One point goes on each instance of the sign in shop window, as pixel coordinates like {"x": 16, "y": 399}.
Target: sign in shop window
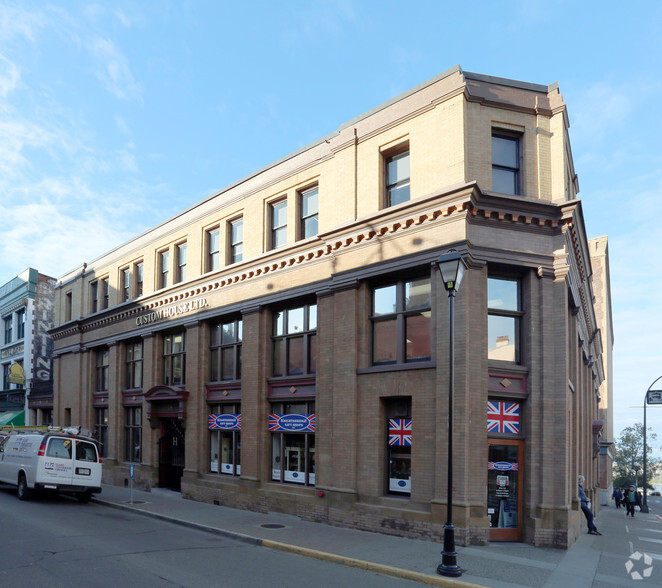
{"x": 399, "y": 441}
{"x": 503, "y": 417}
{"x": 225, "y": 443}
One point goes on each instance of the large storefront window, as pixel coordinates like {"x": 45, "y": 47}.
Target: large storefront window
{"x": 225, "y": 350}
{"x": 133, "y": 434}
{"x": 401, "y": 322}
{"x": 504, "y": 502}
{"x": 398, "y": 444}
{"x": 225, "y": 439}
{"x": 174, "y": 359}
{"x": 295, "y": 341}
{"x": 101, "y": 430}
{"x": 293, "y": 442}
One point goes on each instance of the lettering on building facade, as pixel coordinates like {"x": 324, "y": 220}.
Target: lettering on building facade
{"x": 177, "y": 309}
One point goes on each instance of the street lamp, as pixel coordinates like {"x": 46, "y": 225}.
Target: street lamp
{"x": 655, "y": 398}
{"x": 452, "y": 267}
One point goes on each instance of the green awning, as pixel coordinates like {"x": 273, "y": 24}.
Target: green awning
{"x": 16, "y": 418}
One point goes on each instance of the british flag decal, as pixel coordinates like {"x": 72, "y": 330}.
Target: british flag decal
{"x": 502, "y": 416}
{"x": 399, "y": 432}
{"x": 227, "y": 422}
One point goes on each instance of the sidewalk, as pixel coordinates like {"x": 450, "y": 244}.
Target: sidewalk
{"x": 498, "y": 565}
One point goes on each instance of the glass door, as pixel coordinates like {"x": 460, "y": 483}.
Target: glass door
{"x": 504, "y": 483}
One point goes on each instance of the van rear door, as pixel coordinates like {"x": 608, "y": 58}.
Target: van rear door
{"x": 58, "y": 464}
{"x": 87, "y": 469}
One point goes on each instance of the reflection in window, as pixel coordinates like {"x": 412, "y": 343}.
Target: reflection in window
{"x": 295, "y": 341}
{"x": 504, "y": 316}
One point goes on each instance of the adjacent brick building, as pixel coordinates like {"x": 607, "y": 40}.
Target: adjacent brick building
{"x": 283, "y": 344}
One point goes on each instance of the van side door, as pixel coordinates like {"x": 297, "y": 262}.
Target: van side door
{"x": 58, "y": 463}
{"x": 87, "y": 469}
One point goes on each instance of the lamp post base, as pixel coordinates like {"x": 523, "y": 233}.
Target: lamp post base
{"x": 448, "y": 565}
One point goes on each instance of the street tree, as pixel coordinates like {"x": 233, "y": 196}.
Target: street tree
{"x": 629, "y": 458}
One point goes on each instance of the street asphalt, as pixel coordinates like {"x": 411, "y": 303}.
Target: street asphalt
{"x": 629, "y": 551}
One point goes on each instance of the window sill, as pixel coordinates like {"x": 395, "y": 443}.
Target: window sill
{"x": 397, "y": 367}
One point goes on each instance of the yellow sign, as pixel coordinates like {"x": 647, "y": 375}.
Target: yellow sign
{"x": 16, "y": 374}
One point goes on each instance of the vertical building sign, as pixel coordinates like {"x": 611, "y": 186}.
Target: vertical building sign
{"x": 42, "y": 344}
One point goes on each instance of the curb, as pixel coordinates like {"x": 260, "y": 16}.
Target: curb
{"x": 304, "y": 551}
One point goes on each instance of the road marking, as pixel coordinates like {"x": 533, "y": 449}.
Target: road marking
{"x": 650, "y": 540}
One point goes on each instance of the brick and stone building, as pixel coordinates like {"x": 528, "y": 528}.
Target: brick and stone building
{"x": 27, "y": 311}
{"x": 283, "y": 344}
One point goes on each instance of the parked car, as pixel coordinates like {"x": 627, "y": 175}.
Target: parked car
{"x": 656, "y": 493}
{"x": 64, "y": 461}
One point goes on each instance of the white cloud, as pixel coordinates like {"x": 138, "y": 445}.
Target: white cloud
{"x": 114, "y": 70}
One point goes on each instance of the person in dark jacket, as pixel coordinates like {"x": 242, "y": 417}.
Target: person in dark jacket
{"x": 631, "y": 500}
{"x": 617, "y": 495}
{"x": 586, "y": 509}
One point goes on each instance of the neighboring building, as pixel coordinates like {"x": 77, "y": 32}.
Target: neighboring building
{"x": 27, "y": 313}
{"x": 283, "y": 344}
{"x": 604, "y": 426}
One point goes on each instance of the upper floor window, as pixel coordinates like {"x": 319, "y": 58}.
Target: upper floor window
{"x": 401, "y": 326}
{"x": 213, "y": 249}
{"x": 8, "y": 321}
{"x": 20, "y": 324}
{"x": 180, "y": 251}
{"x": 506, "y": 163}
{"x": 94, "y": 297}
{"x": 278, "y": 223}
{"x": 295, "y": 341}
{"x": 102, "y": 361}
{"x": 134, "y": 365}
{"x": 308, "y": 213}
{"x": 138, "y": 271}
{"x": 125, "y": 284}
{"x": 68, "y": 306}
{"x": 397, "y": 178}
{"x": 504, "y": 318}
{"x": 105, "y": 293}
{"x": 164, "y": 268}
{"x": 236, "y": 234}
{"x": 174, "y": 359}
{"x": 225, "y": 350}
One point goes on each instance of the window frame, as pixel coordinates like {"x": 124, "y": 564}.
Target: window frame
{"x": 390, "y": 156}
{"x": 309, "y": 449}
{"x": 235, "y": 245}
{"x": 216, "y": 437}
{"x": 101, "y": 369}
{"x": 180, "y": 262}
{"x": 217, "y": 347}
{"x": 400, "y": 315}
{"x": 101, "y": 429}
{"x": 275, "y": 231}
{"x": 94, "y": 296}
{"x": 133, "y": 434}
{"x": 138, "y": 270}
{"x": 170, "y": 359}
{"x": 21, "y": 318}
{"x": 133, "y": 367}
{"x": 302, "y": 195}
{"x": 8, "y": 322}
{"x": 213, "y": 255}
{"x": 517, "y": 317}
{"x": 282, "y": 342}
{"x": 163, "y": 257}
{"x": 125, "y": 283}
{"x": 515, "y": 172}
{"x": 105, "y": 293}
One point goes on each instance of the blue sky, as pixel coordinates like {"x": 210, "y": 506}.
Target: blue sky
{"x": 116, "y": 115}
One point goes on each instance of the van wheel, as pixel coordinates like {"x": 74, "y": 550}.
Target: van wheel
{"x": 23, "y": 491}
{"x": 85, "y": 497}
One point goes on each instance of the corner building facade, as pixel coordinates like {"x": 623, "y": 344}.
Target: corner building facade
{"x": 283, "y": 345}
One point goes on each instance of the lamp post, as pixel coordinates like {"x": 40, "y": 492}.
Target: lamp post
{"x": 655, "y": 398}
{"x": 452, "y": 268}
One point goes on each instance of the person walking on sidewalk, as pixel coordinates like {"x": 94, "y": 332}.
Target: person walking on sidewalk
{"x": 586, "y": 507}
{"x": 631, "y": 499}
{"x": 617, "y": 495}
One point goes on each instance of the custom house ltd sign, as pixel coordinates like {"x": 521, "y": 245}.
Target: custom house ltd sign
{"x": 171, "y": 311}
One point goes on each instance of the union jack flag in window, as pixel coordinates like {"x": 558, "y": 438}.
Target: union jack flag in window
{"x": 399, "y": 432}
{"x": 502, "y": 416}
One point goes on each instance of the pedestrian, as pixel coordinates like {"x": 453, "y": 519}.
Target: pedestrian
{"x": 617, "y": 495}
{"x": 586, "y": 507}
{"x": 631, "y": 500}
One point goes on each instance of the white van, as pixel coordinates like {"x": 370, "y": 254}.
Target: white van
{"x": 64, "y": 461}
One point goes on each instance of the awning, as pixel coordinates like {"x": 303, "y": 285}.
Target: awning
{"x": 15, "y": 417}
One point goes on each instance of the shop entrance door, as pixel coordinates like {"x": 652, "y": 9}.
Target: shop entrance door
{"x": 504, "y": 489}
{"x": 171, "y": 455}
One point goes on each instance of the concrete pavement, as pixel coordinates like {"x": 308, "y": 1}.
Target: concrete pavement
{"x": 596, "y": 561}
